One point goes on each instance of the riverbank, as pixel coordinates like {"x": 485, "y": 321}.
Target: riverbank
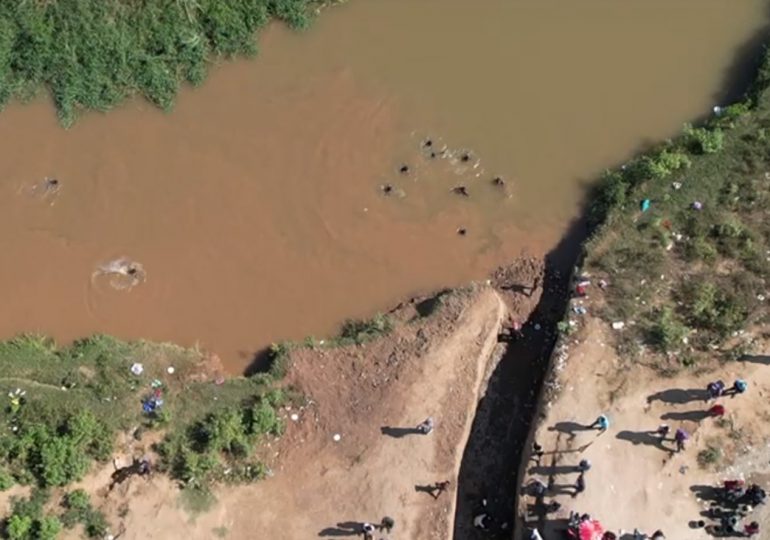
{"x": 671, "y": 293}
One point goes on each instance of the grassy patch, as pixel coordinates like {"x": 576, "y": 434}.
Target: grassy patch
{"x": 709, "y": 456}
{"x": 92, "y": 54}
{"x": 682, "y": 235}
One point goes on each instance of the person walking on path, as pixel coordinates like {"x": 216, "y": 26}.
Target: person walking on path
{"x": 580, "y": 484}
{"x": 680, "y": 437}
{"x": 438, "y": 488}
{"x": 426, "y": 426}
{"x": 602, "y": 423}
{"x": 738, "y": 387}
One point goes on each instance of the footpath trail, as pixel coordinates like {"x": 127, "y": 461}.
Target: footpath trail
{"x": 435, "y": 364}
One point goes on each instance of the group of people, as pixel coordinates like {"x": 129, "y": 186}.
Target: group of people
{"x": 737, "y": 500}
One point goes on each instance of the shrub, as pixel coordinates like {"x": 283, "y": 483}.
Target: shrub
{"x": 361, "y": 331}
{"x": 6, "y": 480}
{"x": 709, "y": 456}
{"x": 714, "y": 308}
{"x": 702, "y": 140}
{"x": 667, "y": 332}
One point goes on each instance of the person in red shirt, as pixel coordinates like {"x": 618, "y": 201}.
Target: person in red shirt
{"x": 751, "y": 529}
{"x": 717, "y": 410}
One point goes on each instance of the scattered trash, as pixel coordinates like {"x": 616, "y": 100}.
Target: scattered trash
{"x": 580, "y": 310}
{"x": 645, "y": 205}
{"x": 123, "y": 273}
{"x": 219, "y": 381}
{"x": 170, "y": 370}
{"x": 618, "y": 325}
{"x": 537, "y": 326}
{"x": 294, "y": 417}
{"x": 697, "y": 205}
{"x": 717, "y": 110}
{"x": 337, "y": 437}
{"x": 156, "y": 383}
{"x": 137, "y": 368}
{"x": 603, "y": 284}
{"x": 676, "y": 185}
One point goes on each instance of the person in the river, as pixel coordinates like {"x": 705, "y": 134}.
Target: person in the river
{"x": 461, "y": 190}
{"x": 404, "y": 169}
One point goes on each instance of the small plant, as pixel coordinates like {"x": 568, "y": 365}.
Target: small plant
{"x": 702, "y": 140}
{"x": 361, "y": 331}
{"x": 667, "y": 332}
{"x": 709, "y": 456}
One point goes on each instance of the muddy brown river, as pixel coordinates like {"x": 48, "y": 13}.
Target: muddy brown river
{"x": 256, "y": 211}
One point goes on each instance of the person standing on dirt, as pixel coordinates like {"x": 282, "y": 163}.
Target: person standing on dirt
{"x": 717, "y": 411}
{"x": 426, "y": 426}
{"x": 680, "y": 437}
{"x": 580, "y": 484}
{"x": 386, "y": 524}
{"x": 715, "y": 389}
{"x": 439, "y": 488}
{"x": 368, "y": 530}
{"x": 738, "y": 387}
{"x": 602, "y": 423}
{"x": 751, "y": 529}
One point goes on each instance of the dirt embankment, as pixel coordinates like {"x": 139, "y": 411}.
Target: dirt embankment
{"x": 350, "y": 454}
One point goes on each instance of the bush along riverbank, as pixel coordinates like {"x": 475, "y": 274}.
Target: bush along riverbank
{"x": 67, "y": 409}
{"x": 92, "y": 54}
{"x": 682, "y": 240}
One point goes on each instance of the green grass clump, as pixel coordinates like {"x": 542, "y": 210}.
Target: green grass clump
{"x": 361, "y": 331}
{"x": 28, "y": 520}
{"x": 92, "y": 54}
{"x": 78, "y": 510}
{"x": 695, "y": 264}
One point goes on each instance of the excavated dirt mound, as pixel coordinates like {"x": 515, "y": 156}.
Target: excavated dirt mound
{"x": 350, "y": 454}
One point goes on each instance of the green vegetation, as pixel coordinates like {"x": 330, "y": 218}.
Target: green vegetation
{"x": 65, "y": 406}
{"x": 682, "y": 236}
{"x": 28, "y": 520}
{"x": 78, "y": 510}
{"x": 92, "y": 54}
{"x": 709, "y": 456}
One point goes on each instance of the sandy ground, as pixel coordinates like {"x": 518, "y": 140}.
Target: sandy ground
{"x": 635, "y": 480}
{"x": 435, "y": 363}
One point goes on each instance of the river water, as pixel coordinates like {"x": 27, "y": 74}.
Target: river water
{"x": 257, "y": 210}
